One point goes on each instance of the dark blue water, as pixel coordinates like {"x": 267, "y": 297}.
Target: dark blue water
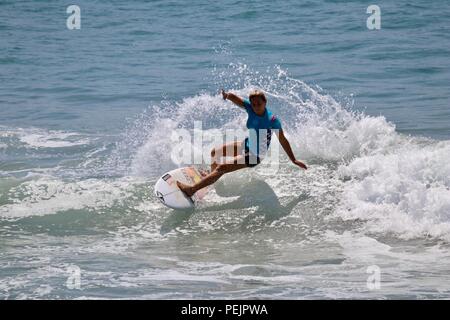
{"x": 127, "y": 56}
{"x": 85, "y": 122}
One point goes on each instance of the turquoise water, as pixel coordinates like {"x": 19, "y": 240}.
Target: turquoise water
{"x": 85, "y": 123}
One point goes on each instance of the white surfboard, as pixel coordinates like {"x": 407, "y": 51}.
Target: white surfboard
{"x": 167, "y": 191}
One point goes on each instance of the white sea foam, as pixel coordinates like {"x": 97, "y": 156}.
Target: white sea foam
{"x": 52, "y": 139}
{"x": 406, "y": 192}
{"x": 49, "y": 195}
{"x": 42, "y": 138}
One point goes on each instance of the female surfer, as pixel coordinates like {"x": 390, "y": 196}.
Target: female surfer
{"x": 247, "y": 153}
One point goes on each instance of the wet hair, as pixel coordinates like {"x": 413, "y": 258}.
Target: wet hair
{"x": 257, "y": 93}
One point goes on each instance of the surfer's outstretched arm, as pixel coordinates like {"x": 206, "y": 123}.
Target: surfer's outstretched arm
{"x": 233, "y": 98}
{"x": 287, "y": 148}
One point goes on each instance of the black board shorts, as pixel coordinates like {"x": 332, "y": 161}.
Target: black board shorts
{"x": 251, "y": 160}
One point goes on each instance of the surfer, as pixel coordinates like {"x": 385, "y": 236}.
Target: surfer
{"x": 247, "y": 153}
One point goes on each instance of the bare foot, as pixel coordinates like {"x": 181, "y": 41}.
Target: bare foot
{"x": 187, "y": 190}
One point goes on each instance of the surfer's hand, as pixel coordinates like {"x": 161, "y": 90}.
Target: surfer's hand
{"x": 224, "y": 95}
{"x": 300, "y": 164}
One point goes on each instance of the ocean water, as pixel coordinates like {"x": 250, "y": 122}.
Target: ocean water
{"x": 85, "y": 123}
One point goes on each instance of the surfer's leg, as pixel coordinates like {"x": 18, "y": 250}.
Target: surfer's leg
{"x": 231, "y": 149}
{"x": 236, "y": 163}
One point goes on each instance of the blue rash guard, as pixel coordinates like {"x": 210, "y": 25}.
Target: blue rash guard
{"x": 260, "y": 129}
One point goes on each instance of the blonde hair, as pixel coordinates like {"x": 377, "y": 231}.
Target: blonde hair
{"x": 257, "y": 93}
